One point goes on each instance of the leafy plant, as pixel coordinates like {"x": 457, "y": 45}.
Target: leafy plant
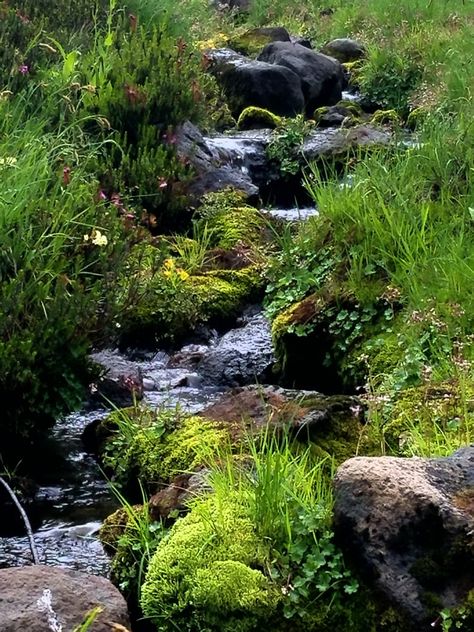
{"x": 286, "y": 143}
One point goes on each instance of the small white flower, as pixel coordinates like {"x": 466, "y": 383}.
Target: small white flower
{"x": 99, "y": 239}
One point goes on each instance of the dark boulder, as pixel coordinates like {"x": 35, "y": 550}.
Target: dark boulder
{"x": 344, "y": 49}
{"x": 41, "y": 598}
{"x": 322, "y": 78}
{"x": 254, "y": 83}
{"x": 408, "y": 524}
{"x": 213, "y": 172}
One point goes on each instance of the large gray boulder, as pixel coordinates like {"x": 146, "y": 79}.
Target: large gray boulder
{"x": 322, "y": 78}
{"x": 43, "y": 598}
{"x": 254, "y": 83}
{"x": 408, "y": 524}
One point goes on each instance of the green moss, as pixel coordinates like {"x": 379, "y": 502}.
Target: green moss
{"x": 319, "y": 113}
{"x": 351, "y": 106}
{"x": 258, "y": 118}
{"x": 385, "y": 117}
{"x": 201, "y": 575}
{"x": 155, "y": 458}
{"x": 112, "y": 529}
{"x": 220, "y": 294}
{"x": 417, "y": 117}
{"x": 234, "y": 226}
{"x": 171, "y": 303}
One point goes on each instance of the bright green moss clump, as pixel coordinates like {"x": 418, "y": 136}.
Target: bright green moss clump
{"x": 385, "y": 117}
{"x": 203, "y": 576}
{"x": 158, "y": 458}
{"x": 258, "y": 118}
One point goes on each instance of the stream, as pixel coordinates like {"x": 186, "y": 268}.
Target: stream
{"x": 73, "y": 498}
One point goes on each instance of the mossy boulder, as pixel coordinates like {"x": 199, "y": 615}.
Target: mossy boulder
{"x": 205, "y": 573}
{"x": 258, "y": 118}
{"x": 417, "y": 117}
{"x": 385, "y": 117}
{"x": 252, "y": 41}
{"x": 331, "y": 425}
{"x": 230, "y": 222}
{"x": 158, "y": 450}
{"x": 173, "y": 303}
{"x": 344, "y": 49}
{"x": 337, "y": 115}
{"x": 314, "y": 335}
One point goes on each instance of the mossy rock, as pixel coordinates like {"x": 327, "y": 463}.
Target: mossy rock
{"x": 386, "y": 117}
{"x": 417, "y": 117}
{"x": 171, "y": 303}
{"x": 231, "y": 223}
{"x": 339, "y": 114}
{"x": 319, "y": 113}
{"x": 204, "y": 574}
{"x": 313, "y": 336}
{"x": 221, "y": 294}
{"x": 154, "y": 454}
{"x": 252, "y": 41}
{"x": 258, "y": 118}
{"x": 112, "y": 530}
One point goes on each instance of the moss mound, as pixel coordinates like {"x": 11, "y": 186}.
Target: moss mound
{"x": 202, "y": 575}
{"x": 258, "y": 118}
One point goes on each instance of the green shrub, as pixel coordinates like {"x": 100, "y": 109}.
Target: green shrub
{"x": 141, "y": 86}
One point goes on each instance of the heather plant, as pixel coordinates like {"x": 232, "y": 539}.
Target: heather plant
{"x": 141, "y": 84}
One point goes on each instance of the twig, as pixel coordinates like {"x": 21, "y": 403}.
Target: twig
{"x": 26, "y": 522}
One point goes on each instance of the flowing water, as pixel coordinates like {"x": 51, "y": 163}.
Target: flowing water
{"x": 72, "y": 497}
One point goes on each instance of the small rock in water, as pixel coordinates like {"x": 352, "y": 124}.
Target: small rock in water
{"x": 241, "y": 356}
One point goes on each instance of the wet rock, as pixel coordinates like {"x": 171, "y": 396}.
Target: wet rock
{"x": 255, "y": 83}
{"x": 34, "y": 598}
{"x": 335, "y": 141}
{"x": 322, "y": 78}
{"x": 120, "y": 381}
{"x": 241, "y": 356}
{"x": 409, "y": 525}
{"x": 213, "y": 172}
{"x": 344, "y": 49}
{"x": 173, "y": 498}
{"x": 333, "y": 423}
{"x": 246, "y": 150}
